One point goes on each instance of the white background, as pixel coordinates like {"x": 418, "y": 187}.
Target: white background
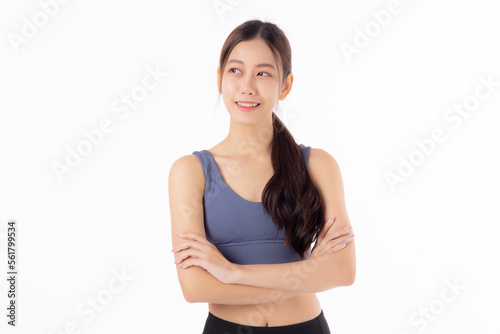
{"x": 111, "y": 212}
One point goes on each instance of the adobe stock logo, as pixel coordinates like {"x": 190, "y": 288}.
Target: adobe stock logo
{"x": 31, "y": 28}
{"x": 223, "y": 6}
{"x": 429, "y": 312}
{"x": 426, "y": 147}
{"x": 363, "y": 37}
{"x": 97, "y": 303}
{"x": 95, "y": 136}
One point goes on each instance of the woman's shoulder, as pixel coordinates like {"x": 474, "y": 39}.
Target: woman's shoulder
{"x": 319, "y": 153}
{"x": 188, "y": 168}
{"x": 186, "y": 161}
{"x": 321, "y": 161}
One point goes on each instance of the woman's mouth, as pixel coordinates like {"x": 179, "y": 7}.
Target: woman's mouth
{"x": 247, "y": 106}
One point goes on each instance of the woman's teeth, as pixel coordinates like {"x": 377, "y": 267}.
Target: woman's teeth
{"x": 248, "y": 105}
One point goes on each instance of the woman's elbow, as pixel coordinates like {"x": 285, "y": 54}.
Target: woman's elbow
{"x": 349, "y": 273}
{"x": 189, "y": 290}
{"x": 192, "y": 296}
{"x": 350, "y": 278}
{"x": 187, "y": 293}
{"x": 189, "y": 296}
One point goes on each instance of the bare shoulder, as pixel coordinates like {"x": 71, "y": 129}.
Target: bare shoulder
{"x": 188, "y": 160}
{"x": 324, "y": 172}
{"x": 321, "y": 163}
{"x": 187, "y": 168}
{"x": 186, "y": 180}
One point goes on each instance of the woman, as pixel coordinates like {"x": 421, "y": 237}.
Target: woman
{"x": 246, "y": 212}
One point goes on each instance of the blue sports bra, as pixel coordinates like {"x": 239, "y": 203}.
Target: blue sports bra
{"x": 241, "y": 230}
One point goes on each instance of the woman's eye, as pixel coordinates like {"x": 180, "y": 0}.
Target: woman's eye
{"x": 235, "y": 69}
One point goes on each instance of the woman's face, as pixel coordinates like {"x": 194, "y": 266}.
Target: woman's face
{"x": 251, "y": 74}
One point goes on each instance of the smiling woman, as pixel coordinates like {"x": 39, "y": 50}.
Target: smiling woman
{"x": 246, "y": 212}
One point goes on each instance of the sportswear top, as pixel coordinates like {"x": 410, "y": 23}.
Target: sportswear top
{"x": 241, "y": 230}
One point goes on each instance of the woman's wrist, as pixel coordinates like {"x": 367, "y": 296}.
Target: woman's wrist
{"x": 238, "y": 274}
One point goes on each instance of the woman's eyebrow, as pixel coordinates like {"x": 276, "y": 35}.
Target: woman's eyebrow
{"x": 259, "y": 65}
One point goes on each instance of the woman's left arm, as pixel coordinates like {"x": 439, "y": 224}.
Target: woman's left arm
{"x": 318, "y": 273}
{"x": 324, "y": 270}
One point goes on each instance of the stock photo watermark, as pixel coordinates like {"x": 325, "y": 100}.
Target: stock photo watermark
{"x": 427, "y": 314}
{"x": 265, "y": 309}
{"x": 454, "y": 116}
{"x": 31, "y": 27}
{"x": 223, "y": 6}
{"x": 371, "y": 29}
{"x": 97, "y": 303}
{"x": 121, "y": 106}
{"x": 12, "y": 275}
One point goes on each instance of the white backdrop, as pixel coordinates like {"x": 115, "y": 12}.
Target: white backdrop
{"x": 405, "y": 95}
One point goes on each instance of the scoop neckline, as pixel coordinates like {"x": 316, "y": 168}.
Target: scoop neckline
{"x": 224, "y": 182}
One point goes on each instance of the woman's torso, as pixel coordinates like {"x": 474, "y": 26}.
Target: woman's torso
{"x": 290, "y": 311}
{"x": 247, "y": 178}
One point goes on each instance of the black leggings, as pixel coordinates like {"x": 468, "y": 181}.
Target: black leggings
{"x": 215, "y": 325}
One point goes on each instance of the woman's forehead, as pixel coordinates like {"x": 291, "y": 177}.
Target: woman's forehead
{"x": 251, "y": 53}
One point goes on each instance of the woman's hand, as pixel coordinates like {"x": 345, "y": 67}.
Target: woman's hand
{"x": 331, "y": 239}
{"x": 198, "y": 251}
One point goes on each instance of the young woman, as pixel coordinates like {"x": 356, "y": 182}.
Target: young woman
{"x": 246, "y": 212}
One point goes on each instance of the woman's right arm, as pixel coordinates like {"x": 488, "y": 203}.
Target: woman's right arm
{"x": 186, "y": 186}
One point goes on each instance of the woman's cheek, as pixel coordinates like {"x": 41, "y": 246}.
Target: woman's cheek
{"x": 269, "y": 89}
{"x": 229, "y": 85}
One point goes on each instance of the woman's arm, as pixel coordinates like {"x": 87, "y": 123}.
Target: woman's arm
{"x": 186, "y": 186}
{"x": 201, "y": 287}
{"x": 311, "y": 275}
{"x": 314, "y": 274}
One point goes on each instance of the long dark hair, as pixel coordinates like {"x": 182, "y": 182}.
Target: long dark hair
{"x": 290, "y": 198}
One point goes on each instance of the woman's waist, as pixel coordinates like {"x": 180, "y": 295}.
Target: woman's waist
{"x": 292, "y": 310}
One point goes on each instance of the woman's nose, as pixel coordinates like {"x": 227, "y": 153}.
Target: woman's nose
{"x": 248, "y": 85}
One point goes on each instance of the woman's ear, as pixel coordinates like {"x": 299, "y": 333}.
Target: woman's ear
{"x": 218, "y": 80}
{"x": 287, "y": 87}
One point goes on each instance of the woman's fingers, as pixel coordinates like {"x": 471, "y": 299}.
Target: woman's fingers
{"x": 190, "y": 252}
{"x": 338, "y": 244}
{"x": 337, "y": 231}
{"x": 189, "y": 244}
{"x": 329, "y": 223}
{"x": 194, "y": 236}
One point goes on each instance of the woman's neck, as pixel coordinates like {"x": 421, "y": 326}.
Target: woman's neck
{"x": 248, "y": 141}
